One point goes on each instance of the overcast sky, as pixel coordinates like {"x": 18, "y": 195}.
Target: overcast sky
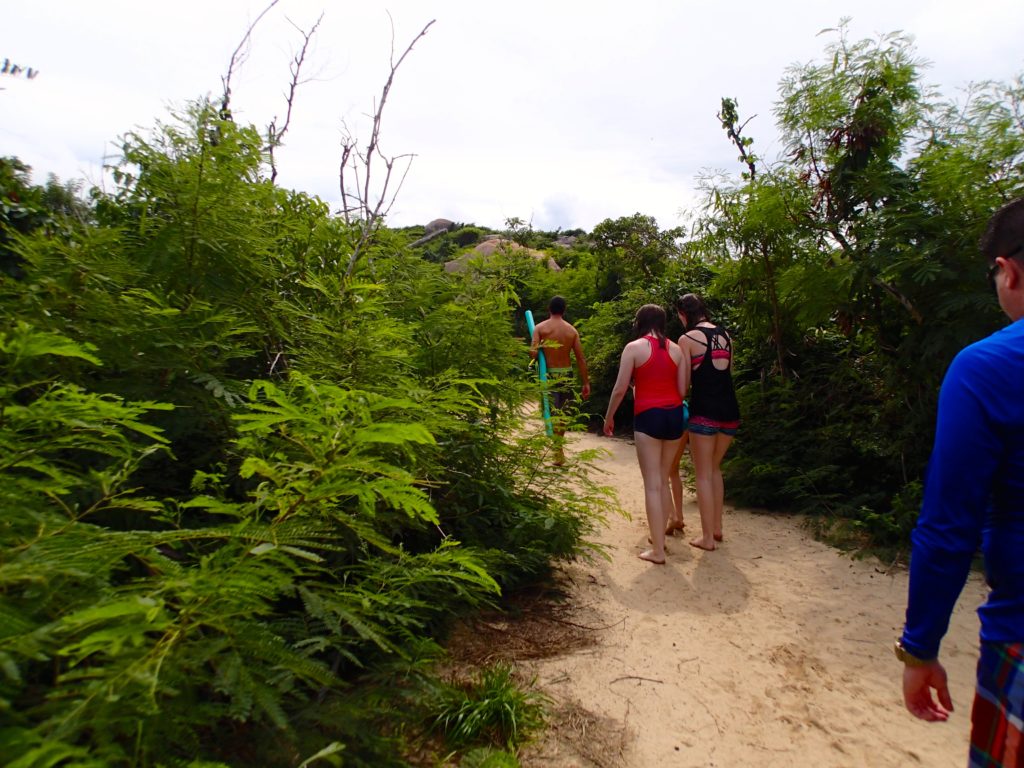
{"x": 559, "y": 112}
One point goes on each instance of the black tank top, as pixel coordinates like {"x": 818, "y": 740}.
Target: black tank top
{"x": 712, "y": 395}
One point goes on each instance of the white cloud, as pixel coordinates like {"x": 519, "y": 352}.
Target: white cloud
{"x": 560, "y": 112}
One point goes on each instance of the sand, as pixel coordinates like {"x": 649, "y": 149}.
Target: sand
{"x": 775, "y": 650}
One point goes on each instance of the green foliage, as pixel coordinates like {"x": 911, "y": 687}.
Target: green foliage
{"x": 488, "y": 757}
{"x": 245, "y": 495}
{"x": 631, "y": 252}
{"x": 465, "y": 237}
{"x": 520, "y": 232}
{"x": 25, "y": 208}
{"x": 895, "y": 527}
{"x": 491, "y": 709}
{"x": 853, "y": 277}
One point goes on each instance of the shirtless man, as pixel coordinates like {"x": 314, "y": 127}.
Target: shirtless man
{"x": 557, "y": 338}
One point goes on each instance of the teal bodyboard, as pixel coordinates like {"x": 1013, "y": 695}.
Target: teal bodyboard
{"x": 542, "y": 373}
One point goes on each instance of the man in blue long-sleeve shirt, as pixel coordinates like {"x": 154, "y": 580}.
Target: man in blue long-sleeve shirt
{"x": 974, "y": 496}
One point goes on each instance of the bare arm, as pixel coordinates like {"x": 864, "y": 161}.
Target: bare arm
{"x": 581, "y": 363}
{"x": 683, "y": 371}
{"x": 534, "y": 343}
{"x": 619, "y": 390}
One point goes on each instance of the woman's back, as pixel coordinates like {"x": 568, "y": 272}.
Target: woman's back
{"x": 712, "y": 394}
{"x": 655, "y": 378}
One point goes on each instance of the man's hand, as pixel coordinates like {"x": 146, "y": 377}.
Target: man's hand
{"x": 609, "y": 426}
{"x": 918, "y": 683}
{"x": 585, "y": 392}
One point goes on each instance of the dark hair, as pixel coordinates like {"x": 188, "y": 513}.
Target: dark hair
{"x": 692, "y": 308}
{"x": 1004, "y": 235}
{"x": 650, "y": 318}
{"x": 557, "y": 305}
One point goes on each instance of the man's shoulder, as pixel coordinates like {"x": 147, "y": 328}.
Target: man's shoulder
{"x": 1008, "y": 339}
{"x": 558, "y": 325}
{"x": 1001, "y": 351}
{"x": 970, "y": 357}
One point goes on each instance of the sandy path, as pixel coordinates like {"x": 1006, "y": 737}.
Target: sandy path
{"x": 773, "y": 651}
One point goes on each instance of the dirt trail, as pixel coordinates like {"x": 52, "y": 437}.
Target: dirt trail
{"x": 774, "y": 650}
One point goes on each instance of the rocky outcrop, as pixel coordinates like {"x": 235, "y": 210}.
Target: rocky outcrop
{"x": 438, "y": 225}
{"x": 489, "y": 247}
{"x": 436, "y": 228}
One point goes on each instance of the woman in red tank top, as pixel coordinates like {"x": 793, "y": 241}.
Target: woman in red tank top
{"x": 659, "y": 370}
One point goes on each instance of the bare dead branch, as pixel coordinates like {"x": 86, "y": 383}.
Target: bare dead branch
{"x": 905, "y": 302}
{"x": 237, "y": 58}
{"x": 401, "y": 181}
{"x": 346, "y": 154}
{"x": 364, "y": 206}
{"x": 275, "y": 134}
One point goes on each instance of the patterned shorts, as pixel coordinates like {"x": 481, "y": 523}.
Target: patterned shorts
{"x": 997, "y": 717}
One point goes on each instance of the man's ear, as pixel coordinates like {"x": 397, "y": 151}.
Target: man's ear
{"x": 1013, "y": 273}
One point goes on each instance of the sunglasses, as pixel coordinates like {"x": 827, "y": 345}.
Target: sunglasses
{"x": 993, "y": 268}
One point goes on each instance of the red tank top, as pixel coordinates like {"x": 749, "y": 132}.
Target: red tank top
{"x": 655, "y": 380}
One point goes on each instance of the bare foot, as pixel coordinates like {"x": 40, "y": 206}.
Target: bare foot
{"x": 701, "y": 544}
{"x": 674, "y": 525}
{"x": 648, "y": 555}
{"x": 718, "y": 537}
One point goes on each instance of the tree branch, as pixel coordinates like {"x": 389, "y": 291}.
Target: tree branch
{"x": 236, "y": 60}
{"x": 369, "y": 214}
{"x": 275, "y": 135}
{"x": 906, "y": 303}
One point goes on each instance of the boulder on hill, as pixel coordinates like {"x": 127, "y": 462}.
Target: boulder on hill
{"x": 489, "y": 247}
{"x": 436, "y": 228}
{"x": 438, "y": 225}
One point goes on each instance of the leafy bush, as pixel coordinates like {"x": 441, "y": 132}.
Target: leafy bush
{"x": 245, "y": 493}
{"x": 467, "y": 236}
{"x": 852, "y": 273}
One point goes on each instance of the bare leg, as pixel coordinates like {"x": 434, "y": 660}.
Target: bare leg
{"x": 655, "y": 459}
{"x": 666, "y": 504}
{"x": 559, "y": 422}
{"x": 718, "y": 485}
{"x": 702, "y": 449}
{"x": 559, "y": 447}
{"x": 675, "y": 521}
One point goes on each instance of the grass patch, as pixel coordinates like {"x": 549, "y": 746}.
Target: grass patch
{"x": 491, "y": 709}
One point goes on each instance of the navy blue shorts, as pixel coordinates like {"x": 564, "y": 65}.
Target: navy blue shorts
{"x": 661, "y": 423}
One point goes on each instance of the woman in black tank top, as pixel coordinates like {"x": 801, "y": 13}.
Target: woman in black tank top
{"x": 714, "y": 411}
